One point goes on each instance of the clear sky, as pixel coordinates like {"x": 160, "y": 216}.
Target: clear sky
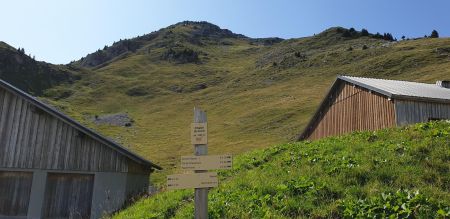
{"x": 59, "y": 31}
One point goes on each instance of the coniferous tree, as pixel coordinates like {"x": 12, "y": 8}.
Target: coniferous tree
{"x": 388, "y": 36}
{"x": 434, "y": 34}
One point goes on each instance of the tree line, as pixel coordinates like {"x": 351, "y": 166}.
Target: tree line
{"x": 351, "y": 32}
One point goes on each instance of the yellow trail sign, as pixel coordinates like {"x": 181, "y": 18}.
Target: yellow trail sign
{"x": 215, "y": 162}
{"x": 192, "y": 180}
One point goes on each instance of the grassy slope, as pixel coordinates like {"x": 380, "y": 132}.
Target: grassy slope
{"x": 393, "y": 172}
{"x": 250, "y": 102}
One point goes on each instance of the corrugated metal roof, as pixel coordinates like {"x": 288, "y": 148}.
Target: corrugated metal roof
{"x": 390, "y": 88}
{"x": 401, "y": 89}
{"x": 78, "y": 126}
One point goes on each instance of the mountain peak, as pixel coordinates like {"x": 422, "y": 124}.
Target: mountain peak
{"x": 205, "y": 29}
{"x": 187, "y": 32}
{"x": 194, "y": 23}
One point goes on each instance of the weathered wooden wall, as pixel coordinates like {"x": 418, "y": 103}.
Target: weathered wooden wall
{"x": 136, "y": 184}
{"x": 68, "y": 196}
{"x": 409, "y": 112}
{"x": 15, "y": 189}
{"x": 352, "y": 108}
{"x": 32, "y": 138}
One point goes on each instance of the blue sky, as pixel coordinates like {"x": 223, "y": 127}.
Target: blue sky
{"x": 59, "y": 31}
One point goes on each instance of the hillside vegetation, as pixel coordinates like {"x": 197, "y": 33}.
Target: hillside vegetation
{"x": 257, "y": 92}
{"x": 391, "y": 173}
{"x": 32, "y": 76}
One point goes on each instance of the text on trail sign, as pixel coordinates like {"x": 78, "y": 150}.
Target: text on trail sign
{"x": 192, "y": 180}
{"x": 214, "y": 162}
{"x": 199, "y": 133}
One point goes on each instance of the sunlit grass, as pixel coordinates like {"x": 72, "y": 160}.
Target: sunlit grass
{"x": 326, "y": 178}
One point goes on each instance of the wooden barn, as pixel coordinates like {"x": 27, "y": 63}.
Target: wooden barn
{"x": 356, "y": 104}
{"x": 53, "y": 167}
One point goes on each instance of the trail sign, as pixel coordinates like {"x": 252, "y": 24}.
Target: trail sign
{"x": 215, "y": 162}
{"x": 192, "y": 180}
{"x": 201, "y": 179}
{"x": 199, "y": 133}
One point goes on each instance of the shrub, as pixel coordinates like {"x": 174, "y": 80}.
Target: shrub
{"x": 181, "y": 55}
{"x": 346, "y": 33}
{"x": 364, "y": 32}
{"x": 137, "y": 91}
{"x": 378, "y": 36}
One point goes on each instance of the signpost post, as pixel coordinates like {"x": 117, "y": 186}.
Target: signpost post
{"x": 201, "y": 194}
{"x": 201, "y": 180}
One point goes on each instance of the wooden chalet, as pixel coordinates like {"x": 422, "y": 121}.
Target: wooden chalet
{"x": 357, "y": 104}
{"x": 53, "y": 167}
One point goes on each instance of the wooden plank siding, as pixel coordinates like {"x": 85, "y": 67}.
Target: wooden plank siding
{"x": 352, "y": 108}
{"x": 31, "y": 138}
{"x": 68, "y": 195}
{"x": 409, "y": 112}
{"x": 15, "y": 189}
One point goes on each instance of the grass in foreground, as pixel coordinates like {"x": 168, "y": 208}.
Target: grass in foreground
{"x": 399, "y": 173}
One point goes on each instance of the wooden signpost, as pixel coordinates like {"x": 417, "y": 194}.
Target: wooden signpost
{"x": 215, "y": 162}
{"x": 192, "y": 180}
{"x": 199, "y": 133}
{"x": 201, "y": 194}
{"x": 201, "y": 180}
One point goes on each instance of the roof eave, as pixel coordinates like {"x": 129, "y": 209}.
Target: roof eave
{"x": 394, "y": 96}
{"x": 420, "y": 99}
{"x": 372, "y": 88}
{"x": 78, "y": 126}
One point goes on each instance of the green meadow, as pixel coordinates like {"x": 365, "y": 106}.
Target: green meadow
{"x": 391, "y": 173}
